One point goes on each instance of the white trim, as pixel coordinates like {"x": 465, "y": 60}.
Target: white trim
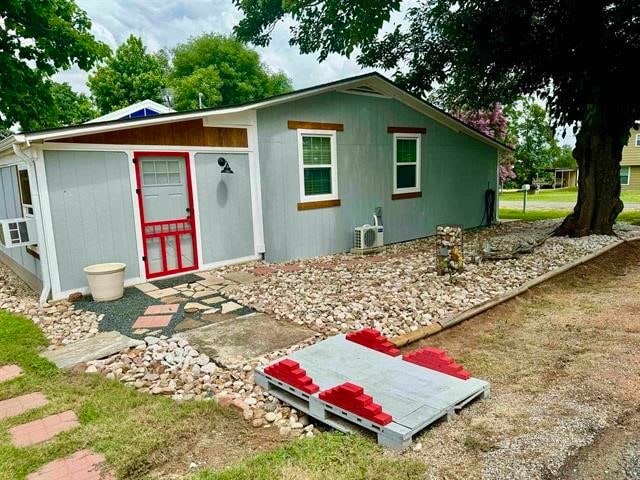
{"x": 628, "y": 174}
{"x": 137, "y": 223}
{"x": 637, "y": 139}
{"x": 418, "y": 139}
{"x": 47, "y": 221}
{"x": 256, "y": 185}
{"x": 303, "y": 132}
{"x": 196, "y": 209}
{"x": 128, "y": 282}
{"x": 224, "y": 263}
{"x": 147, "y": 148}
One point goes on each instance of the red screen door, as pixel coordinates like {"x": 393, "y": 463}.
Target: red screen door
{"x": 166, "y": 212}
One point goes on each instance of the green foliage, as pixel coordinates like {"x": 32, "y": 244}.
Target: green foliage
{"x": 129, "y": 76}
{"x": 236, "y": 73}
{"x": 529, "y": 129}
{"x": 36, "y": 40}
{"x": 68, "y": 108}
{"x": 564, "y": 158}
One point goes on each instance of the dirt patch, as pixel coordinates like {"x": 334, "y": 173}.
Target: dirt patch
{"x": 564, "y": 365}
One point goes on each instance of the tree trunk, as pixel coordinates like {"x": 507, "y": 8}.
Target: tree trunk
{"x": 598, "y": 153}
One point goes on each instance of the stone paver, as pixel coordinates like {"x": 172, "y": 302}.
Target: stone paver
{"x": 161, "y": 309}
{"x": 203, "y": 293}
{"x": 214, "y": 300}
{"x": 264, "y": 270}
{"x": 146, "y": 287}
{"x": 17, "y": 405}
{"x": 292, "y": 267}
{"x": 230, "y": 307}
{"x": 241, "y": 277}
{"x": 323, "y": 265}
{"x": 102, "y": 345}
{"x": 165, "y": 292}
{"x": 44, "y": 429}
{"x": 152, "y": 321}
{"x": 82, "y": 465}
{"x": 9, "y": 372}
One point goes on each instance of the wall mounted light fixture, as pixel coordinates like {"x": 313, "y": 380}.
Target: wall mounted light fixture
{"x": 225, "y": 165}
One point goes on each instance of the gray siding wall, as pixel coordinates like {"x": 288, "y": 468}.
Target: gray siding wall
{"x": 224, "y": 202}
{"x": 92, "y": 212}
{"x": 456, "y": 171}
{"x": 11, "y": 207}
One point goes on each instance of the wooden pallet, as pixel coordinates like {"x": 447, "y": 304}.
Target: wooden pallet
{"x": 413, "y": 396}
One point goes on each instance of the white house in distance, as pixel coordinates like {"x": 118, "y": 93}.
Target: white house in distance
{"x": 145, "y": 108}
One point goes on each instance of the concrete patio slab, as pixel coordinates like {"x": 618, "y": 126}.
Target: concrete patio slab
{"x": 99, "y": 346}
{"x": 231, "y": 342}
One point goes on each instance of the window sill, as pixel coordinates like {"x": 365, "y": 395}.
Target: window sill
{"x": 34, "y": 251}
{"x": 319, "y": 204}
{"x": 403, "y": 196}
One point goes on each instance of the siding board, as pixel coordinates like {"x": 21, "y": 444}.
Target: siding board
{"x": 92, "y": 212}
{"x": 631, "y": 153}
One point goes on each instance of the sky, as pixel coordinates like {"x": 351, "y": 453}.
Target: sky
{"x": 166, "y": 23}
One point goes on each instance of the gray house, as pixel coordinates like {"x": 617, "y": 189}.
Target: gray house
{"x": 284, "y": 178}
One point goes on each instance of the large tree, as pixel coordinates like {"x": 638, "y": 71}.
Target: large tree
{"x": 129, "y": 76}
{"x": 38, "y": 38}
{"x": 67, "y": 108}
{"x": 217, "y": 59}
{"x": 575, "y": 55}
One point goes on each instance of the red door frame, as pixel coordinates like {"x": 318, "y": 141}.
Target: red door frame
{"x": 157, "y": 230}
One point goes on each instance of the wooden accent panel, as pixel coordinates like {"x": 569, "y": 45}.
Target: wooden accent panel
{"x": 186, "y": 133}
{"x": 295, "y": 124}
{"x": 406, "y": 130}
{"x": 402, "y": 196}
{"x": 321, "y": 204}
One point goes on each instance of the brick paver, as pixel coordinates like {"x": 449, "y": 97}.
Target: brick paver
{"x": 152, "y": 321}
{"x": 82, "y": 465}
{"x": 161, "y": 309}
{"x": 17, "y": 405}
{"x": 264, "y": 270}
{"x": 293, "y": 267}
{"x": 42, "y": 430}
{"x": 9, "y": 372}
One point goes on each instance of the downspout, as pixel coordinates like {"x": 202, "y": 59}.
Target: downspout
{"x": 37, "y": 206}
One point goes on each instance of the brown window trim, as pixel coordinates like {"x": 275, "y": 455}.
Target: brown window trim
{"x": 32, "y": 252}
{"x": 321, "y": 204}
{"x": 403, "y": 196}
{"x": 406, "y": 130}
{"x": 296, "y": 124}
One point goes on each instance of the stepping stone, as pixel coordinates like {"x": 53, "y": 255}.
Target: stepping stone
{"x": 172, "y": 299}
{"x": 82, "y": 465}
{"x": 235, "y": 340}
{"x": 214, "y": 300}
{"x": 102, "y": 345}
{"x": 212, "y": 279}
{"x": 161, "y": 309}
{"x": 9, "y": 372}
{"x": 375, "y": 259}
{"x": 193, "y": 307}
{"x": 188, "y": 324}
{"x": 241, "y": 277}
{"x": 146, "y": 287}
{"x": 264, "y": 270}
{"x": 44, "y": 429}
{"x": 294, "y": 267}
{"x": 230, "y": 307}
{"x": 203, "y": 293}
{"x": 18, "y": 405}
{"x": 140, "y": 331}
{"x": 152, "y": 321}
{"x": 323, "y": 265}
{"x": 165, "y": 292}
{"x": 180, "y": 288}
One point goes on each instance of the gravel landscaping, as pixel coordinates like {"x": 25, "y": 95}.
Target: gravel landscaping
{"x": 398, "y": 291}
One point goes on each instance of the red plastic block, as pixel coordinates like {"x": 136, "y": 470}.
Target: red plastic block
{"x": 352, "y": 398}
{"x": 290, "y": 372}
{"x": 370, "y": 337}
{"x": 438, "y": 360}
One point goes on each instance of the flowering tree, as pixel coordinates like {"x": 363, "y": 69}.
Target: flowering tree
{"x": 506, "y": 172}
{"x": 492, "y": 123}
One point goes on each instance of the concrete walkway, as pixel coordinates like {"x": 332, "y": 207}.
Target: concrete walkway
{"x": 542, "y": 205}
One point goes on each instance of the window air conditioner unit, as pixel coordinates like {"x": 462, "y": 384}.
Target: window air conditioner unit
{"x": 17, "y": 232}
{"x": 368, "y": 236}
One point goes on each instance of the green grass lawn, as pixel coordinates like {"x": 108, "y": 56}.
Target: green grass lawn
{"x": 632, "y": 216}
{"x": 561, "y": 195}
{"x": 137, "y": 431}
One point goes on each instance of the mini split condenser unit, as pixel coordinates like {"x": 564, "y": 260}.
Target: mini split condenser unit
{"x": 17, "y": 232}
{"x": 368, "y": 236}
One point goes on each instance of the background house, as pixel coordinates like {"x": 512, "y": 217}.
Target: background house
{"x": 157, "y": 193}
{"x": 630, "y": 164}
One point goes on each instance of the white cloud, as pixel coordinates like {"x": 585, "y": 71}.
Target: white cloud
{"x": 168, "y": 23}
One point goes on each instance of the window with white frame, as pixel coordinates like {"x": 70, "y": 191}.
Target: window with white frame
{"x": 624, "y": 175}
{"x": 318, "y": 165}
{"x": 406, "y": 162}
{"x": 637, "y": 139}
{"x": 25, "y": 193}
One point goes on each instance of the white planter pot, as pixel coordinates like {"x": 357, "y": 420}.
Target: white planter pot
{"x": 106, "y": 281}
